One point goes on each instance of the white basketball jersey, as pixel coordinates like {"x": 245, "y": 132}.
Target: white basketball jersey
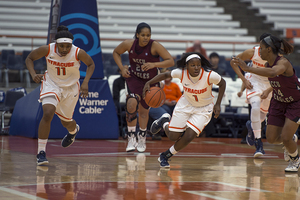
{"x": 63, "y": 70}
{"x": 258, "y": 63}
{"x": 200, "y": 93}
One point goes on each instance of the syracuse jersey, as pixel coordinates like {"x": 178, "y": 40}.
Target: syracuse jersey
{"x": 198, "y": 94}
{"x": 63, "y": 70}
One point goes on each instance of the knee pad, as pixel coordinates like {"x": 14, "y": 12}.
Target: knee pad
{"x": 132, "y": 116}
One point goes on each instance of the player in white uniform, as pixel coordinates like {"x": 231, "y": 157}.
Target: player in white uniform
{"x": 258, "y": 94}
{"x": 60, "y": 88}
{"x": 193, "y": 110}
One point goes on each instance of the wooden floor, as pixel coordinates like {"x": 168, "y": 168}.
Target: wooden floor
{"x": 209, "y": 168}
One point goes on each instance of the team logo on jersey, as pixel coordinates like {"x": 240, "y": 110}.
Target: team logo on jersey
{"x": 146, "y": 54}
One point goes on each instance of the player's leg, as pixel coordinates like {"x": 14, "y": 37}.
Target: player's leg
{"x": 65, "y": 110}
{"x": 143, "y": 121}
{"x": 288, "y": 130}
{"x": 49, "y": 105}
{"x": 131, "y": 108}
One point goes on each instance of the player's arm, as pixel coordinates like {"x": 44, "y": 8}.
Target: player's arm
{"x": 88, "y": 61}
{"x": 35, "y": 55}
{"x": 155, "y": 79}
{"x": 278, "y": 69}
{"x": 217, "y": 106}
{"x": 246, "y": 55}
{"x": 120, "y": 49}
{"x": 158, "y": 49}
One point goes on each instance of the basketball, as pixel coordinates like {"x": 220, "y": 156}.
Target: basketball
{"x": 155, "y": 97}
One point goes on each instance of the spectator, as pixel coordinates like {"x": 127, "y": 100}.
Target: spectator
{"x": 172, "y": 92}
{"x": 218, "y": 67}
{"x": 118, "y": 85}
{"x": 197, "y": 47}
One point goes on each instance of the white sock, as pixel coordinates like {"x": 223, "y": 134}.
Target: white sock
{"x": 131, "y": 129}
{"x": 172, "y": 150}
{"x": 257, "y": 133}
{"x": 42, "y": 145}
{"x": 294, "y": 154}
{"x": 165, "y": 124}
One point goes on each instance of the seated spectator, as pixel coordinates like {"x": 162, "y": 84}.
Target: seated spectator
{"x": 218, "y": 67}
{"x": 118, "y": 85}
{"x": 172, "y": 92}
{"x": 197, "y": 47}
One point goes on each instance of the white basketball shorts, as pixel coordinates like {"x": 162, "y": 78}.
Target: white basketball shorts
{"x": 66, "y": 98}
{"x": 185, "y": 115}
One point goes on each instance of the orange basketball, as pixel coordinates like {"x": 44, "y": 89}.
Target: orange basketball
{"x": 155, "y": 97}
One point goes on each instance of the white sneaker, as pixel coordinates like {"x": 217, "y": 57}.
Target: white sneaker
{"x": 293, "y": 166}
{"x": 286, "y": 153}
{"x": 131, "y": 143}
{"x": 141, "y": 147}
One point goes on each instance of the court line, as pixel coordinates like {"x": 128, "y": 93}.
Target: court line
{"x": 22, "y": 194}
{"x": 205, "y": 195}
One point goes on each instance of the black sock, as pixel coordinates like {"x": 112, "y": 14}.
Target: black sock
{"x": 294, "y": 158}
{"x": 168, "y": 154}
{"x": 142, "y": 133}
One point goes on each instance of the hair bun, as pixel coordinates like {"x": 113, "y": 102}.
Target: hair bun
{"x": 62, "y": 28}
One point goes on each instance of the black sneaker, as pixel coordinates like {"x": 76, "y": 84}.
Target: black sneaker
{"x": 156, "y": 126}
{"x": 41, "y": 158}
{"x": 69, "y": 138}
{"x": 259, "y": 148}
{"x": 163, "y": 160}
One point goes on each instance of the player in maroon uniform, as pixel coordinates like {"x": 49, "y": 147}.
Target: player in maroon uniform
{"x": 144, "y": 61}
{"x": 284, "y": 110}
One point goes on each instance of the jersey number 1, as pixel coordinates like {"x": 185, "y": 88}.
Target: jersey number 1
{"x": 62, "y": 69}
{"x": 196, "y": 97}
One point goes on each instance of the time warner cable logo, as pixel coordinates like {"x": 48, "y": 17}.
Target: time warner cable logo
{"x": 92, "y": 105}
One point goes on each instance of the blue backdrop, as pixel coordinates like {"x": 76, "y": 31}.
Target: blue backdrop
{"x": 95, "y": 115}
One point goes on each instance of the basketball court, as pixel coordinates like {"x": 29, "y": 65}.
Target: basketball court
{"x": 209, "y": 168}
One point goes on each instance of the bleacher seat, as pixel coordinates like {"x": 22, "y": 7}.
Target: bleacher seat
{"x": 15, "y": 63}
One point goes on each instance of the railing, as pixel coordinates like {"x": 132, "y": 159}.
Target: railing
{"x": 187, "y": 42}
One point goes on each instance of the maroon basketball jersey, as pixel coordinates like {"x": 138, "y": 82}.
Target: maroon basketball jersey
{"x": 140, "y": 55}
{"x": 285, "y": 89}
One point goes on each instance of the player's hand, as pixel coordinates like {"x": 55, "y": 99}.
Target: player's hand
{"x": 84, "y": 90}
{"x": 239, "y": 94}
{"x": 217, "y": 110}
{"x": 248, "y": 85}
{"x": 145, "y": 89}
{"x": 240, "y": 63}
{"x": 125, "y": 72}
{"x": 147, "y": 66}
{"x": 38, "y": 78}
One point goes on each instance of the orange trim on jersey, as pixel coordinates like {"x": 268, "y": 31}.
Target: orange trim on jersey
{"x": 259, "y": 51}
{"x": 63, "y": 116}
{"x": 202, "y": 72}
{"x": 176, "y": 128}
{"x": 194, "y": 126}
{"x": 208, "y": 77}
{"x": 182, "y": 74}
{"x": 55, "y": 48}
{"x": 76, "y": 54}
{"x": 264, "y": 110}
{"x": 253, "y": 53}
{"x": 251, "y": 93}
{"x": 48, "y": 50}
{"x": 50, "y": 93}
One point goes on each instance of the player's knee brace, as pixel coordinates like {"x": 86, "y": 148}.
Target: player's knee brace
{"x": 132, "y": 116}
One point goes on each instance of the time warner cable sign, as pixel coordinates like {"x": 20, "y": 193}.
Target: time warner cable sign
{"x": 92, "y": 104}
